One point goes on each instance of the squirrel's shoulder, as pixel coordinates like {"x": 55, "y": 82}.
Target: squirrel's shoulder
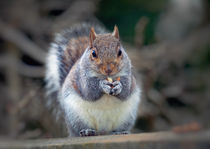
{"x": 66, "y": 48}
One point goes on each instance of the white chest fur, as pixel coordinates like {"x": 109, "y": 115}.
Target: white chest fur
{"x": 107, "y": 114}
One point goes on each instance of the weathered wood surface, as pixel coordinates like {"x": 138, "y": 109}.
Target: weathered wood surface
{"x": 159, "y": 140}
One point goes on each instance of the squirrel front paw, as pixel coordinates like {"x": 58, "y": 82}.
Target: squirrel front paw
{"x": 106, "y": 86}
{"x": 113, "y": 88}
{"x": 117, "y": 88}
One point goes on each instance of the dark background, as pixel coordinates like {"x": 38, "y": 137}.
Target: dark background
{"x": 168, "y": 42}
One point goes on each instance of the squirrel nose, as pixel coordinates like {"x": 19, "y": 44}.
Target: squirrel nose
{"x": 108, "y": 70}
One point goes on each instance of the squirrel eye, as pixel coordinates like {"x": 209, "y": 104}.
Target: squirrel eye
{"x": 119, "y": 53}
{"x": 94, "y": 53}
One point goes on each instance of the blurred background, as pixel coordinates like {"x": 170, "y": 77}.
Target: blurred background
{"x": 168, "y": 42}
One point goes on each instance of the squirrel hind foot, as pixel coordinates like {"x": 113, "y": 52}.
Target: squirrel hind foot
{"x": 87, "y": 132}
{"x": 120, "y": 132}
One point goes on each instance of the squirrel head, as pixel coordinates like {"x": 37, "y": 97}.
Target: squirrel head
{"x": 106, "y": 52}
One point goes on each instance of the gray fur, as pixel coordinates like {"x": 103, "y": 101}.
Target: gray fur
{"x": 126, "y": 87}
{"x": 74, "y": 123}
{"x": 91, "y": 85}
{"x": 88, "y": 86}
{"x": 77, "y": 127}
{"x": 105, "y": 86}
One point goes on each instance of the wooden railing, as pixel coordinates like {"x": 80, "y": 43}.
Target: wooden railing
{"x": 159, "y": 140}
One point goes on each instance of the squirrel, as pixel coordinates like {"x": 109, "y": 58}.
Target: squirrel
{"x": 90, "y": 74}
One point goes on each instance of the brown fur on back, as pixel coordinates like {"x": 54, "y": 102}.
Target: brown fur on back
{"x": 71, "y": 44}
{"x": 75, "y": 49}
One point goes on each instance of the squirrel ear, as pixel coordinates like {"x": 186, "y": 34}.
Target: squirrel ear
{"x": 92, "y": 36}
{"x": 115, "y": 33}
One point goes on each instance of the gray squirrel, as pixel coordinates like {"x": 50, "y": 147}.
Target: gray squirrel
{"x": 89, "y": 74}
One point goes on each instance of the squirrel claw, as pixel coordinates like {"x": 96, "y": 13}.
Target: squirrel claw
{"x": 87, "y": 132}
{"x": 111, "y": 88}
{"x": 117, "y": 88}
{"x": 106, "y": 86}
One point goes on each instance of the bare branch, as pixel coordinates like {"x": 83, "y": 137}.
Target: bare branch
{"x": 139, "y": 30}
{"x": 19, "y": 39}
{"x": 23, "y": 69}
{"x": 166, "y": 52}
{"x": 78, "y": 11}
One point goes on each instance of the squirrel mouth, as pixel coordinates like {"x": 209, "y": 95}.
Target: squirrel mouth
{"x": 108, "y": 70}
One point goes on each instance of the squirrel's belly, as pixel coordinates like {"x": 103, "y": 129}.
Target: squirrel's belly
{"x": 106, "y": 114}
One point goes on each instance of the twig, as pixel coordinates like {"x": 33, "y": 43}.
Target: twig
{"x": 78, "y": 11}
{"x": 139, "y": 29}
{"x": 14, "y": 84}
{"x": 30, "y": 71}
{"x": 155, "y": 56}
{"x": 23, "y": 69}
{"x": 23, "y": 102}
{"x": 19, "y": 39}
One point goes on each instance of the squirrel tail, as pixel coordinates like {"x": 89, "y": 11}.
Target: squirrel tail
{"x": 60, "y": 59}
